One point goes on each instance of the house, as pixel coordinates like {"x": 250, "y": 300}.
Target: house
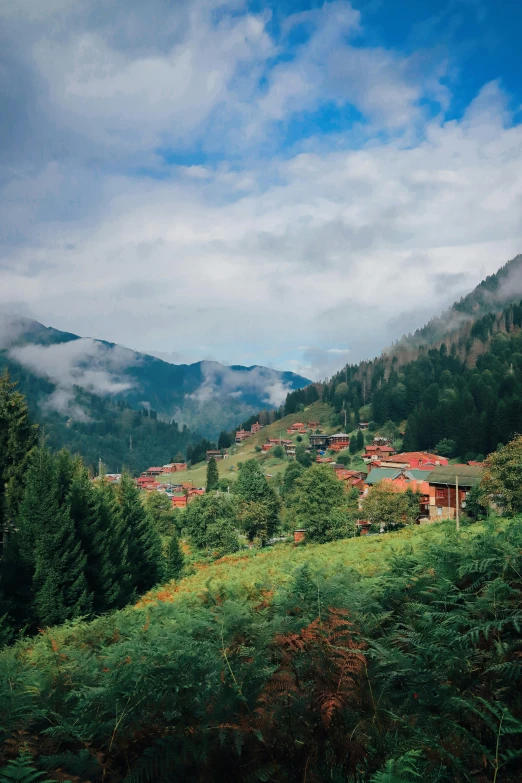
{"x": 442, "y": 482}
{"x": 314, "y": 424}
{"x": 267, "y": 446}
{"x": 379, "y": 474}
{"x": 299, "y": 536}
{"x": 323, "y": 460}
{"x": 339, "y": 441}
{"x": 256, "y": 427}
{"x": 380, "y": 441}
{"x": 363, "y": 425}
{"x": 420, "y": 460}
{"x": 377, "y": 451}
{"x": 297, "y": 426}
{"x": 179, "y": 501}
{"x": 318, "y": 441}
{"x": 351, "y": 477}
{"x": 217, "y": 454}
{"x": 242, "y": 435}
{"x": 153, "y": 472}
{"x": 179, "y": 466}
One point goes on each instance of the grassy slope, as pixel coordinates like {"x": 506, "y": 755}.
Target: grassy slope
{"x": 319, "y": 411}
{"x": 256, "y": 572}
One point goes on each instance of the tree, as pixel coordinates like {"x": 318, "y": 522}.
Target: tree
{"x": 293, "y": 471}
{"x": 17, "y": 440}
{"x": 212, "y": 475}
{"x": 206, "y": 511}
{"x": 387, "y": 507}
{"x": 303, "y": 456}
{"x": 503, "y": 476}
{"x": 353, "y": 445}
{"x": 224, "y": 440}
{"x": 343, "y": 458}
{"x": 360, "y": 440}
{"x": 278, "y": 452}
{"x": 116, "y": 571}
{"x": 144, "y": 543}
{"x": 173, "y": 558}
{"x": 50, "y": 548}
{"x": 318, "y": 493}
{"x": 260, "y": 505}
{"x": 159, "y": 507}
{"x": 446, "y": 447}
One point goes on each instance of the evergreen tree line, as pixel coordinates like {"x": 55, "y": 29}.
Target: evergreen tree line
{"x": 71, "y": 547}
{"x": 466, "y": 391}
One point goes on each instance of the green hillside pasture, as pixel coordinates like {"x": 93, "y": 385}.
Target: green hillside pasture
{"x": 227, "y": 468}
{"x": 342, "y": 662}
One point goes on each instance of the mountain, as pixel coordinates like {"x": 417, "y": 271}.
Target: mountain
{"x": 58, "y": 371}
{"x": 456, "y": 384}
{"x": 497, "y": 290}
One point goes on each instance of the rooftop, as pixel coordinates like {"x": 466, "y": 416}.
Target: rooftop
{"x": 468, "y": 475}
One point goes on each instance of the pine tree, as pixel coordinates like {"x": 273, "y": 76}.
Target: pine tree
{"x": 97, "y": 539}
{"x": 360, "y": 440}
{"x": 173, "y": 558}
{"x": 145, "y": 556}
{"x": 116, "y": 576}
{"x": 212, "y": 475}
{"x": 17, "y": 439}
{"x": 50, "y": 548}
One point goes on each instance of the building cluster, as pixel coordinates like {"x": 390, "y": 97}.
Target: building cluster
{"x": 242, "y": 435}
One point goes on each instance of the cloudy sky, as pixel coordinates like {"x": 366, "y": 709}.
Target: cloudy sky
{"x": 291, "y": 184}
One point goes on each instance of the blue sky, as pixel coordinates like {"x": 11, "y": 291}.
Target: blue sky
{"x": 292, "y": 184}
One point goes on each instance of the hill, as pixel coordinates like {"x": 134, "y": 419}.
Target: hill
{"x": 465, "y": 389}
{"x": 86, "y": 393}
{"x": 324, "y": 662}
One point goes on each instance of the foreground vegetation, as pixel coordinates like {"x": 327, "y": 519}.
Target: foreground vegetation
{"x": 379, "y": 659}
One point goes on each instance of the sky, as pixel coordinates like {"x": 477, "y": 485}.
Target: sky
{"x": 291, "y": 184}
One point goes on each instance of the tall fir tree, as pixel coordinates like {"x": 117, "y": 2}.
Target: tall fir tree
{"x": 17, "y": 440}
{"x": 173, "y": 558}
{"x": 105, "y": 560}
{"x": 212, "y": 475}
{"x": 50, "y": 548}
{"x": 117, "y": 571}
{"x": 144, "y": 542}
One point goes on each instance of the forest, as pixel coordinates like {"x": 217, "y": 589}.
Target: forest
{"x": 465, "y": 390}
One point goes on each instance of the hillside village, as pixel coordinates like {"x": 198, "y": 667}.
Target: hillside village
{"x": 442, "y": 486}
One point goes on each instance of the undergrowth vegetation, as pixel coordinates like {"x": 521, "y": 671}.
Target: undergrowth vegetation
{"x": 392, "y": 658}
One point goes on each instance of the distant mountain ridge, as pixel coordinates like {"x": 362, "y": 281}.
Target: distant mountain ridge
{"x": 502, "y": 288}
{"x": 207, "y": 396}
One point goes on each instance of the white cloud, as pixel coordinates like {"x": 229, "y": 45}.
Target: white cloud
{"x": 222, "y": 381}
{"x": 331, "y": 243}
{"x": 86, "y": 363}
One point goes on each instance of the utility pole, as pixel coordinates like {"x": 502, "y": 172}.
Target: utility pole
{"x": 457, "y": 520}
{"x": 99, "y": 467}
{"x": 130, "y": 442}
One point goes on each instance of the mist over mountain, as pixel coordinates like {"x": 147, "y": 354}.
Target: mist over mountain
{"x": 54, "y": 367}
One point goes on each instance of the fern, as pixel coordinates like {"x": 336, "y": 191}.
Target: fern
{"x": 21, "y": 770}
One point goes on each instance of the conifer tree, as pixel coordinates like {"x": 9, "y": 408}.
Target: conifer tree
{"x": 117, "y": 573}
{"x": 173, "y": 558}
{"x": 17, "y": 439}
{"x": 103, "y": 556}
{"x": 145, "y": 556}
{"x": 50, "y": 548}
{"x": 360, "y": 440}
{"x": 212, "y": 475}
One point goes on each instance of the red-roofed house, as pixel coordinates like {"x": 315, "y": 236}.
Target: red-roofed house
{"x": 338, "y": 442}
{"x": 417, "y": 460}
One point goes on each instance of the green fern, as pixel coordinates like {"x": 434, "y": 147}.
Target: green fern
{"x": 21, "y": 770}
{"x": 402, "y": 770}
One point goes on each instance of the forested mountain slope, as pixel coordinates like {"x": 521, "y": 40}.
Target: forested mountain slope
{"x": 106, "y": 401}
{"x": 466, "y": 387}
